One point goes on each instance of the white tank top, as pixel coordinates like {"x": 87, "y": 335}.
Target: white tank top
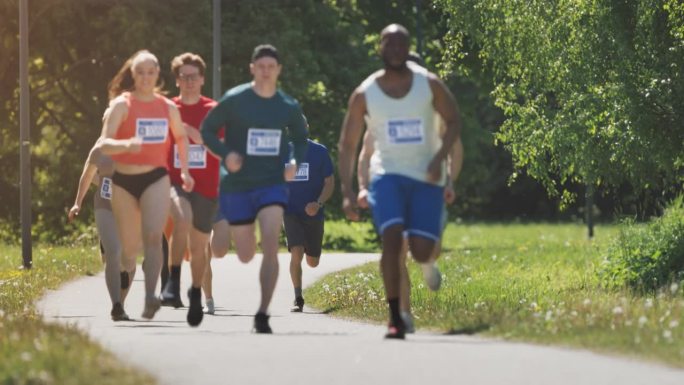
{"x": 405, "y": 130}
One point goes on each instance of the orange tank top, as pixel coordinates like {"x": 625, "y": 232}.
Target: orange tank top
{"x": 150, "y": 122}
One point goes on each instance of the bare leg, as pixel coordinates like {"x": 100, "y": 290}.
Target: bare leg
{"x": 127, "y": 216}
{"x": 270, "y": 220}
{"x": 296, "y": 257}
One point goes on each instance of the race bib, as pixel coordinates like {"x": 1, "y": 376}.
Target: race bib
{"x": 405, "y": 131}
{"x": 197, "y": 156}
{"x": 263, "y": 142}
{"x": 106, "y": 188}
{"x": 302, "y": 174}
{"x": 152, "y": 130}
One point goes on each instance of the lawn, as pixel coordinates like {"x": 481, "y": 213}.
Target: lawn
{"x": 525, "y": 282}
{"x": 35, "y": 352}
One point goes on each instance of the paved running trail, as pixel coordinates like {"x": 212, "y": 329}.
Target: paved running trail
{"x": 313, "y": 348}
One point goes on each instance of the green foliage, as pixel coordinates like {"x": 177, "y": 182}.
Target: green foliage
{"x": 647, "y": 257}
{"x": 591, "y": 89}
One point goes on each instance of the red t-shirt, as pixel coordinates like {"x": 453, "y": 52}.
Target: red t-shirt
{"x": 204, "y": 167}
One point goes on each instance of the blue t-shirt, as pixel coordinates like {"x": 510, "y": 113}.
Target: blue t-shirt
{"x": 308, "y": 183}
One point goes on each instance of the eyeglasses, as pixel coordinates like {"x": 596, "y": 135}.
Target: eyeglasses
{"x": 189, "y": 77}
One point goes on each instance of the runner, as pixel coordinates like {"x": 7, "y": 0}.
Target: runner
{"x": 399, "y": 103}
{"x": 430, "y": 273}
{"x": 260, "y": 119}
{"x": 98, "y": 170}
{"x": 136, "y": 137}
{"x": 304, "y": 220}
{"x": 192, "y": 212}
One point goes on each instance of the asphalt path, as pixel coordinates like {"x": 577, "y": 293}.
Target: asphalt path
{"x": 315, "y": 348}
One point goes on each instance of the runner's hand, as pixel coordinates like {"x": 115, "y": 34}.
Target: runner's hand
{"x": 449, "y": 194}
{"x": 290, "y": 172}
{"x": 233, "y": 162}
{"x": 350, "y": 209}
{"x": 312, "y": 208}
{"x": 362, "y": 198}
{"x": 134, "y": 145}
{"x": 434, "y": 171}
{"x": 188, "y": 181}
{"x": 74, "y": 212}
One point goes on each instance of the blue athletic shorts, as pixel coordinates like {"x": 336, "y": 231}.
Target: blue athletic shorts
{"x": 417, "y": 205}
{"x": 241, "y": 208}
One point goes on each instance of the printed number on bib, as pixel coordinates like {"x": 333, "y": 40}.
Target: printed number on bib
{"x": 197, "y": 156}
{"x": 405, "y": 131}
{"x": 152, "y": 130}
{"x": 106, "y": 188}
{"x": 302, "y": 174}
{"x": 263, "y": 142}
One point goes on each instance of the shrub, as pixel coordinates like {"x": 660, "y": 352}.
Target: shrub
{"x": 647, "y": 256}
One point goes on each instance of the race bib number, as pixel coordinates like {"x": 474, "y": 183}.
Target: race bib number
{"x": 302, "y": 174}
{"x": 106, "y": 188}
{"x": 263, "y": 142}
{"x": 405, "y": 131}
{"x": 197, "y": 156}
{"x": 152, "y": 130}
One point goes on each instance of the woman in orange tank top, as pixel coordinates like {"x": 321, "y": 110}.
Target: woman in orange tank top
{"x": 136, "y": 136}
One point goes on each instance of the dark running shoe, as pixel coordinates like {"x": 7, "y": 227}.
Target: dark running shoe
{"x": 118, "y": 313}
{"x": 298, "y": 305}
{"x": 261, "y": 324}
{"x": 395, "y": 333}
{"x": 195, "y": 313}
{"x": 171, "y": 294}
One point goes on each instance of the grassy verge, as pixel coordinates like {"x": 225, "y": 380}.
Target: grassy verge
{"x": 524, "y": 282}
{"x": 34, "y": 352}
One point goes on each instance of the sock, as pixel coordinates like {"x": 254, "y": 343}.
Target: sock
{"x": 175, "y": 273}
{"x": 125, "y": 280}
{"x": 195, "y": 293}
{"x": 395, "y": 315}
{"x": 298, "y": 292}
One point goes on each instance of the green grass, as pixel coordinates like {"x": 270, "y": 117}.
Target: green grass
{"x": 35, "y": 352}
{"x": 533, "y": 283}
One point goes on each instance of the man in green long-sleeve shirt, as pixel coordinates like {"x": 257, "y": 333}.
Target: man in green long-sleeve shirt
{"x": 259, "y": 121}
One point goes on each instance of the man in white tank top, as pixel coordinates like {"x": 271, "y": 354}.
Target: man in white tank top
{"x": 398, "y": 105}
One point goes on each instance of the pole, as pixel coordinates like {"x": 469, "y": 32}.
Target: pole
{"x": 589, "y": 206}
{"x": 216, "y": 75}
{"x": 24, "y": 138}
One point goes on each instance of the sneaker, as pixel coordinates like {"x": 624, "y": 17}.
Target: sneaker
{"x": 210, "y": 309}
{"x": 408, "y": 322}
{"x": 151, "y": 308}
{"x": 395, "y": 333}
{"x": 118, "y": 313}
{"x": 195, "y": 313}
{"x": 171, "y": 294}
{"x": 261, "y": 325}
{"x": 432, "y": 276}
{"x": 298, "y": 305}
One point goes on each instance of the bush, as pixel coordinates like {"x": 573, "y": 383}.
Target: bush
{"x": 647, "y": 257}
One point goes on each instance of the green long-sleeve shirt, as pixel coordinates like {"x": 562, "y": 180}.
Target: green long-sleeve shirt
{"x": 258, "y": 129}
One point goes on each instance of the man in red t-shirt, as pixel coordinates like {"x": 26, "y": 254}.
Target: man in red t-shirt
{"x": 192, "y": 212}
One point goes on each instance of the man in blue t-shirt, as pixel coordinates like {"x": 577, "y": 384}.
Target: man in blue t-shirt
{"x": 308, "y": 191}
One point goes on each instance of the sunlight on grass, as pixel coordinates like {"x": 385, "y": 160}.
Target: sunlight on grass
{"x": 34, "y": 352}
{"x": 523, "y": 282}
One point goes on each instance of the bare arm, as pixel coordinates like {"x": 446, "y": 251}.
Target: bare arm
{"x": 328, "y": 187}
{"x": 445, "y": 104}
{"x": 112, "y": 120}
{"x": 180, "y": 135}
{"x": 89, "y": 170}
{"x": 363, "y": 169}
{"x": 350, "y": 135}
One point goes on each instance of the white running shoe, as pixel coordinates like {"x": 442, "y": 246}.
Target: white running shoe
{"x": 210, "y": 309}
{"x": 432, "y": 276}
{"x": 408, "y": 322}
